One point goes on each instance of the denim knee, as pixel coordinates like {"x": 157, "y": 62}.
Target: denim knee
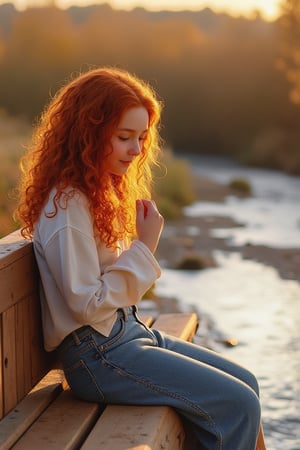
{"x": 250, "y": 379}
{"x": 252, "y": 405}
{"x": 247, "y": 409}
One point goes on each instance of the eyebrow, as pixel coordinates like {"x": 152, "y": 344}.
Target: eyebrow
{"x": 130, "y": 130}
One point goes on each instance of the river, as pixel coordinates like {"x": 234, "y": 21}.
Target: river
{"x": 247, "y": 300}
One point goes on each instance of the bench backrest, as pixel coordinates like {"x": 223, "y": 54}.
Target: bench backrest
{"x": 23, "y": 359}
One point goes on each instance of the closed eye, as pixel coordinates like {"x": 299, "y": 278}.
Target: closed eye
{"x": 125, "y": 138}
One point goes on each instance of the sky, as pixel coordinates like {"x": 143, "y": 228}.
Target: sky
{"x": 268, "y": 8}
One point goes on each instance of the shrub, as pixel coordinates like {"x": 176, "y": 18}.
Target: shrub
{"x": 241, "y": 185}
{"x": 196, "y": 261}
{"x": 174, "y": 186}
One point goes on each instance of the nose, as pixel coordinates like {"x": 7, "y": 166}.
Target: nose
{"x": 135, "y": 148}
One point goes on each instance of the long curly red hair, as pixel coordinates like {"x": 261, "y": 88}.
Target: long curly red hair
{"x": 69, "y": 149}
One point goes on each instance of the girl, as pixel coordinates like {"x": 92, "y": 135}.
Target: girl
{"x": 85, "y": 200}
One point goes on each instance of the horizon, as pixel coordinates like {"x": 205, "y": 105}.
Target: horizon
{"x": 269, "y": 11}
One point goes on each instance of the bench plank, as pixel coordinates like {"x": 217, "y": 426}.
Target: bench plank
{"x": 40, "y": 359}
{"x": 138, "y": 428}
{"x": 13, "y": 247}
{"x": 9, "y": 359}
{"x": 261, "y": 440}
{"x": 181, "y": 325}
{"x": 1, "y": 373}
{"x": 18, "y": 277}
{"x": 63, "y": 426}
{"x": 14, "y": 424}
{"x": 26, "y": 330}
{"x": 49, "y": 414}
{"x": 22, "y": 351}
{"x": 144, "y": 427}
{"x": 146, "y": 318}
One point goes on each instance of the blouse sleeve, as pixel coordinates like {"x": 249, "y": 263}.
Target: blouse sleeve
{"x": 92, "y": 292}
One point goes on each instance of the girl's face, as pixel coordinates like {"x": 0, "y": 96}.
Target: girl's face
{"x": 127, "y": 140}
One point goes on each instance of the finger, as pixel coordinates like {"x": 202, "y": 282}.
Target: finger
{"x": 150, "y": 204}
{"x": 145, "y": 205}
{"x": 139, "y": 208}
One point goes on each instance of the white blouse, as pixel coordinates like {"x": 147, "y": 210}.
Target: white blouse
{"x": 82, "y": 281}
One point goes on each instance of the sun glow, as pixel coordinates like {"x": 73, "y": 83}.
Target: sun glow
{"x": 269, "y": 9}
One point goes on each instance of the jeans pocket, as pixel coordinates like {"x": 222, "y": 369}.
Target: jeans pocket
{"x": 105, "y": 344}
{"x": 83, "y": 383}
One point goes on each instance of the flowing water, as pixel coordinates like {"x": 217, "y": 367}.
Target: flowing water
{"x": 248, "y": 301}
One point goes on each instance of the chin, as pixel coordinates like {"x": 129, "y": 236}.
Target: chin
{"x": 118, "y": 174}
{"x": 119, "y": 171}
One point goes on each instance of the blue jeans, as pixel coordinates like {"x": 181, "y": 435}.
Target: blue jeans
{"x": 135, "y": 365}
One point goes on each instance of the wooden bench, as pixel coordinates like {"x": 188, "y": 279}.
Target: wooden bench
{"x": 37, "y": 409}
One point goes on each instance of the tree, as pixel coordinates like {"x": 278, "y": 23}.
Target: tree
{"x": 40, "y": 48}
{"x": 289, "y": 60}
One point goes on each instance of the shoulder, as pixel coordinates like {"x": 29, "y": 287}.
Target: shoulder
{"x": 69, "y": 210}
{"x": 68, "y": 198}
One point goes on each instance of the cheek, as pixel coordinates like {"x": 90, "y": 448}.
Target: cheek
{"x": 118, "y": 148}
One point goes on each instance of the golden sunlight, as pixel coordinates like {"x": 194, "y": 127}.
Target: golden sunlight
{"x": 269, "y": 9}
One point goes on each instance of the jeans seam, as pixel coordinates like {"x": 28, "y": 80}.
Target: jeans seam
{"x": 106, "y": 346}
{"x": 165, "y": 391}
{"x": 82, "y": 364}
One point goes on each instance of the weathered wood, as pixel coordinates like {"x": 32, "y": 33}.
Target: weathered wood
{"x": 40, "y": 359}
{"x": 22, "y": 350}
{"x": 147, "y": 319}
{"x": 1, "y": 372}
{"x": 136, "y": 428}
{"x": 63, "y": 426}
{"x": 261, "y": 440}
{"x": 9, "y": 359}
{"x": 14, "y": 424}
{"x": 49, "y": 416}
{"x": 18, "y": 280}
{"x": 144, "y": 427}
{"x": 181, "y": 325}
{"x": 12, "y": 247}
{"x": 24, "y": 361}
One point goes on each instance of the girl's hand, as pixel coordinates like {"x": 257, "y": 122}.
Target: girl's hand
{"x": 149, "y": 223}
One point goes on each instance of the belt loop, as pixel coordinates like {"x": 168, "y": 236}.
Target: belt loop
{"x": 125, "y": 312}
{"x": 76, "y": 338}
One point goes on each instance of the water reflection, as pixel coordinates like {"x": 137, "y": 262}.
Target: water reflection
{"x": 263, "y": 221}
{"x": 270, "y": 217}
{"x": 250, "y": 302}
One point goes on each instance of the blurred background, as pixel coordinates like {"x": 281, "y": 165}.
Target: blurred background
{"x": 228, "y": 73}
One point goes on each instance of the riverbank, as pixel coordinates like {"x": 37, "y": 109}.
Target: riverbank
{"x": 248, "y": 311}
{"x": 193, "y": 236}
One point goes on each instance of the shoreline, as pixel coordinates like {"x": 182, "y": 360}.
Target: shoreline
{"x": 180, "y": 236}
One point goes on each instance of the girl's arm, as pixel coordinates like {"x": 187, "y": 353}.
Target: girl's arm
{"x": 69, "y": 261}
